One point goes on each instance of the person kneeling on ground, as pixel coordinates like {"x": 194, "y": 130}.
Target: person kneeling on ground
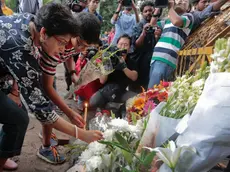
{"x": 115, "y": 84}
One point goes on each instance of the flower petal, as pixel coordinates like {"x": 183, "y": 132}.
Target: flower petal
{"x": 165, "y": 155}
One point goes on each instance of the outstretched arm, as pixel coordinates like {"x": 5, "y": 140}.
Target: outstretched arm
{"x": 218, "y": 4}
{"x": 173, "y": 16}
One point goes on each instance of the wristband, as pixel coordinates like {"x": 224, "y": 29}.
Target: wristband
{"x": 76, "y": 132}
{"x": 156, "y": 15}
{"x": 117, "y": 12}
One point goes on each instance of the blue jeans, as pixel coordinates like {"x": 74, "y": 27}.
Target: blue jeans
{"x": 159, "y": 71}
{"x": 15, "y": 121}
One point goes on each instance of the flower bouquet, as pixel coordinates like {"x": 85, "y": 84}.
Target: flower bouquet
{"x": 100, "y": 64}
{"x": 142, "y": 104}
{"x": 208, "y": 128}
{"x": 117, "y": 152}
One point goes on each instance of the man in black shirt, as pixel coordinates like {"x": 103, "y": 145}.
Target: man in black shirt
{"x": 144, "y": 40}
{"x": 117, "y": 82}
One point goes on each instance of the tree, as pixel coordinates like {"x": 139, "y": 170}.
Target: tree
{"x": 107, "y": 9}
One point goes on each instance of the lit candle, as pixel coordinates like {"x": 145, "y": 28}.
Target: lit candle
{"x": 85, "y": 115}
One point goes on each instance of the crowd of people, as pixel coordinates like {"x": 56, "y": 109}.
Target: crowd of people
{"x": 31, "y": 46}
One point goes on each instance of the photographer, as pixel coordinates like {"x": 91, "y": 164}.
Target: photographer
{"x": 115, "y": 84}
{"x": 124, "y": 21}
{"x": 144, "y": 39}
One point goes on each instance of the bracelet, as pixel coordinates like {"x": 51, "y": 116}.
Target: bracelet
{"x": 76, "y": 132}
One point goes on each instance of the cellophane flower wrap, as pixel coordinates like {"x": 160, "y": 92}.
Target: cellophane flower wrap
{"x": 208, "y": 128}
{"x": 116, "y": 151}
{"x": 97, "y": 66}
{"x": 142, "y": 104}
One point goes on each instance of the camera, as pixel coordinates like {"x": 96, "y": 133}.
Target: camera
{"x": 77, "y": 5}
{"x": 91, "y": 51}
{"x": 127, "y": 3}
{"x": 161, "y": 3}
{"x": 150, "y": 30}
{"x": 115, "y": 57}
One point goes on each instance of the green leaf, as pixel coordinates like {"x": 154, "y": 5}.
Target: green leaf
{"x": 122, "y": 141}
{"x": 149, "y": 158}
{"x": 113, "y": 115}
{"x": 126, "y": 170}
{"x": 128, "y": 156}
{"x": 134, "y": 118}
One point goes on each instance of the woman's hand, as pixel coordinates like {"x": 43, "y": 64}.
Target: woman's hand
{"x": 77, "y": 119}
{"x": 89, "y": 136}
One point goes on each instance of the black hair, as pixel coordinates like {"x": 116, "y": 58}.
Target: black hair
{"x": 125, "y": 36}
{"x": 90, "y": 27}
{"x": 194, "y": 2}
{"x": 57, "y": 20}
{"x": 145, "y": 4}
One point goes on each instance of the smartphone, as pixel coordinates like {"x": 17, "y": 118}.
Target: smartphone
{"x": 161, "y": 3}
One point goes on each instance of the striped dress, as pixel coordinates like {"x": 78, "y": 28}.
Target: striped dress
{"x": 171, "y": 40}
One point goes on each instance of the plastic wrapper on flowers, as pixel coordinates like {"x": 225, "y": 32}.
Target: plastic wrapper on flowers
{"x": 116, "y": 151}
{"x": 142, "y": 104}
{"x": 159, "y": 128}
{"x": 95, "y": 68}
{"x": 100, "y": 122}
{"x": 208, "y": 128}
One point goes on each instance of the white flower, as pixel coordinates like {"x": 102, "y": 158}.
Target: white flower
{"x": 171, "y": 154}
{"x": 97, "y": 148}
{"x": 198, "y": 83}
{"x": 120, "y": 124}
{"x": 108, "y": 134}
{"x": 87, "y": 154}
{"x": 93, "y": 163}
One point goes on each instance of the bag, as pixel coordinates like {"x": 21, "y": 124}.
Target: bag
{"x": 111, "y": 91}
{"x": 208, "y": 128}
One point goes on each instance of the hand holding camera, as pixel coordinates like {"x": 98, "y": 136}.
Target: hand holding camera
{"x": 121, "y": 64}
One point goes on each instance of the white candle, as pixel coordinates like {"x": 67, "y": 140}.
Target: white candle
{"x": 85, "y": 114}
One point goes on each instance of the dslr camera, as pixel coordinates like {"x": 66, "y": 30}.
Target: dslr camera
{"x": 161, "y": 3}
{"x": 127, "y": 3}
{"x": 117, "y": 55}
{"x": 150, "y": 30}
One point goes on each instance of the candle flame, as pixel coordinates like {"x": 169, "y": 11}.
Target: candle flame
{"x": 86, "y": 105}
